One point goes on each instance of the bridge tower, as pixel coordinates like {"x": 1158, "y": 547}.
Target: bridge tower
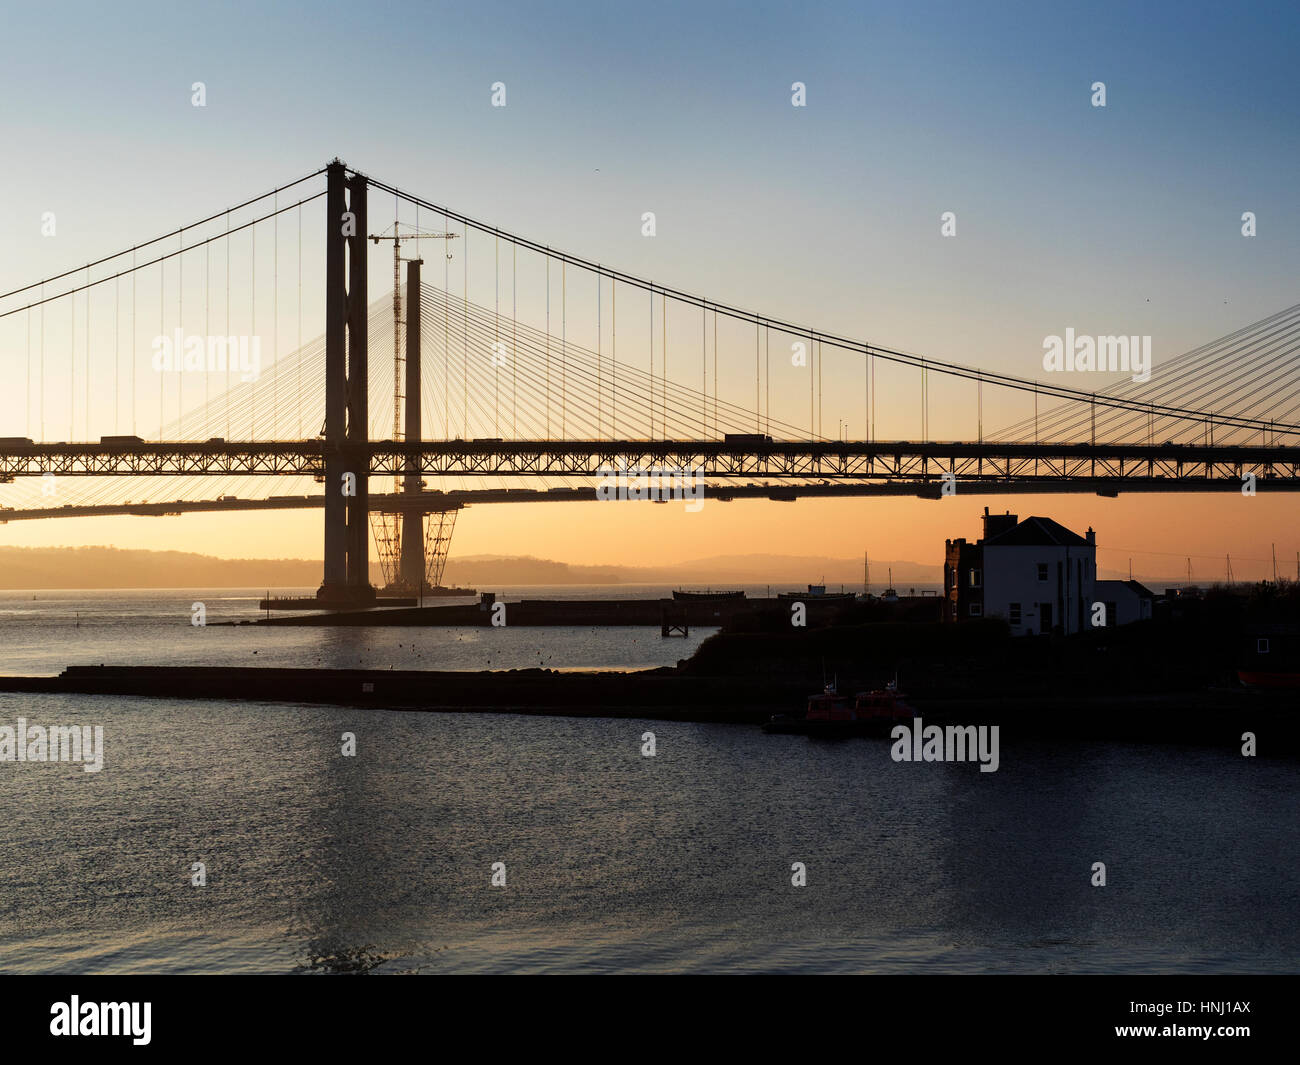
{"x": 412, "y": 564}
{"x": 347, "y": 503}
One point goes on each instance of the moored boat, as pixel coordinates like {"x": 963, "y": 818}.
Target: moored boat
{"x": 818, "y": 593}
{"x": 1257, "y": 679}
{"x": 829, "y": 714}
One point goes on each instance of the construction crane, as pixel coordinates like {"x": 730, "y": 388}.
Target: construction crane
{"x": 399, "y": 357}
{"x": 387, "y": 527}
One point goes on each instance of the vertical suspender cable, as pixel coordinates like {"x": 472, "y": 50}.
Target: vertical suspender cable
{"x": 275, "y": 315}
{"x": 923, "y": 399}
{"x": 227, "y": 322}
{"x": 207, "y": 330}
{"x": 599, "y": 339}
{"x": 133, "y": 354}
{"x": 465, "y": 342}
{"x": 564, "y": 345}
{"x": 162, "y": 332}
{"x": 252, "y": 328}
{"x": 299, "y": 320}
{"x": 72, "y": 368}
{"x": 514, "y": 339}
{"x": 43, "y": 352}
{"x": 614, "y": 358}
{"x": 446, "y": 340}
{"x": 88, "y": 353}
{"x": 27, "y": 395}
{"x": 704, "y": 368}
{"x": 180, "y": 323}
{"x": 548, "y": 344}
{"x": 812, "y": 395}
{"x": 496, "y": 336}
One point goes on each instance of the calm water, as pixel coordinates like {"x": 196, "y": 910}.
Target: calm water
{"x": 42, "y": 632}
{"x": 614, "y": 861}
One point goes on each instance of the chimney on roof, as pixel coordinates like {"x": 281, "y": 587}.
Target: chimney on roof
{"x": 1092, "y": 537}
{"x": 997, "y": 524}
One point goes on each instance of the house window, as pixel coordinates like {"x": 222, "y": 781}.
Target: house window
{"x": 976, "y": 610}
{"x": 1013, "y": 612}
{"x": 954, "y": 609}
{"x": 1261, "y": 646}
{"x": 976, "y": 578}
{"x": 1042, "y": 571}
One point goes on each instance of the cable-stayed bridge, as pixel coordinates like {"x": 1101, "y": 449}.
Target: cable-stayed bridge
{"x": 519, "y": 373}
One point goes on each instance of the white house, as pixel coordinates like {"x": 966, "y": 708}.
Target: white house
{"x": 1038, "y": 576}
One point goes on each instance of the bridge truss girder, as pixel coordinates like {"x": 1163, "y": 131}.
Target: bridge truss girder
{"x": 1012, "y": 463}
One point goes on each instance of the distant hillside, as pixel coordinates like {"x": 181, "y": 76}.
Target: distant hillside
{"x": 488, "y": 570}
{"x": 485, "y": 570}
{"x": 110, "y": 567}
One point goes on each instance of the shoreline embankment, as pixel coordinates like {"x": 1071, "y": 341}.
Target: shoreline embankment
{"x": 1215, "y": 717}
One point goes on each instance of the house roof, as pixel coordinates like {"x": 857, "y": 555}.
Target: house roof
{"x": 1037, "y": 532}
{"x": 1136, "y": 587}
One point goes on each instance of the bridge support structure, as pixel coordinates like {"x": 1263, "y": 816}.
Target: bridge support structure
{"x": 347, "y": 504}
{"x": 413, "y": 541}
{"x": 412, "y": 567}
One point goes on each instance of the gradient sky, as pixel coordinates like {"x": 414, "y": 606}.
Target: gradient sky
{"x": 1117, "y": 220}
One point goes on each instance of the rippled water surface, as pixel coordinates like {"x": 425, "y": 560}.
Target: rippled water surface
{"x": 614, "y": 861}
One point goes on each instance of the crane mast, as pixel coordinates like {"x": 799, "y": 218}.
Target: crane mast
{"x": 395, "y": 539}
{"x": 399, "y": 324}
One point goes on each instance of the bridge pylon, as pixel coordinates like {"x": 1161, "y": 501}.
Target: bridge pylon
{"x": 413, "y": 561}
{"x": 413, "y": 541}
{"x": 347, "y": 460}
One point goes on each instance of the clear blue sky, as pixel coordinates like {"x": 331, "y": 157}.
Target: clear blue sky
{"x": 828, "y": 213}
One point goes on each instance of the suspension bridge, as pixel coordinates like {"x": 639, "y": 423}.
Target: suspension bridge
{"x": 529, "y": 376}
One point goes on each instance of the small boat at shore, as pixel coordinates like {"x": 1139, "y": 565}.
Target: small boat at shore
{"x": 830, "y": 714}
{"x": 1258, "y": 679}
{"x": 819, "y": 593}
